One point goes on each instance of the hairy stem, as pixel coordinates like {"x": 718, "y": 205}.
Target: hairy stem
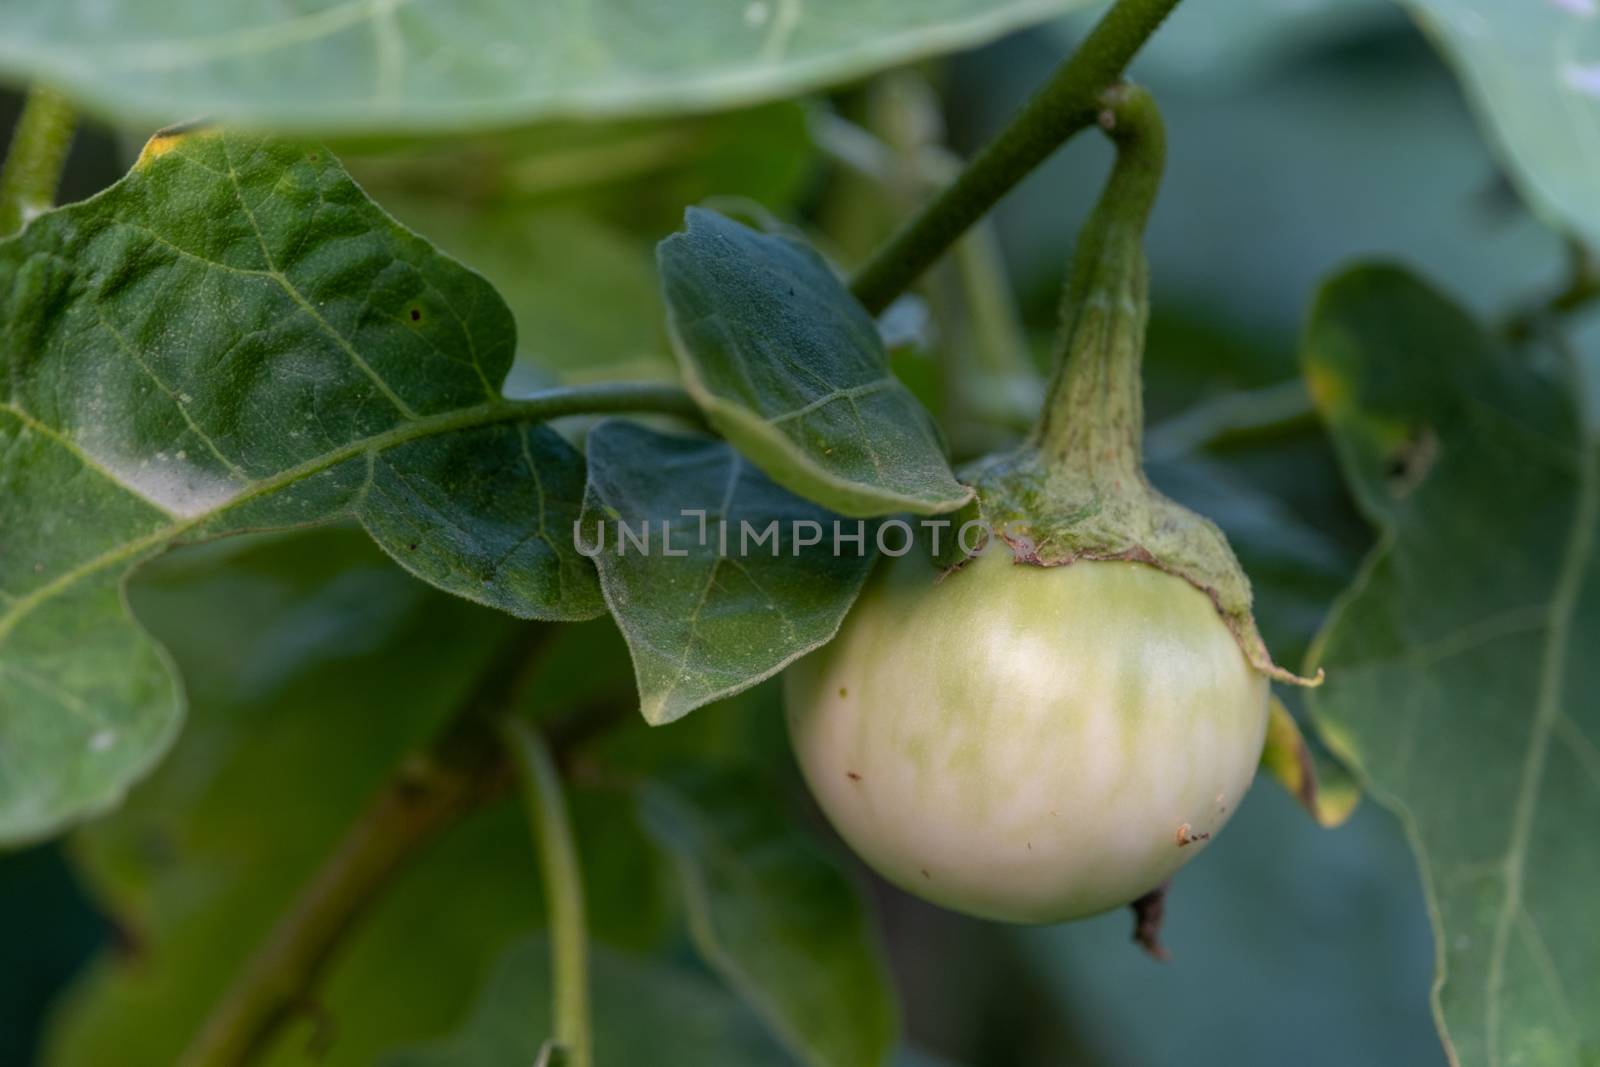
{"x": 1093, "y": 417}
{"x": 33, "y": 165}
{"x": 604, "y": 398}
{"x": 1068, "y": 102}
{"x": 563, "y": 885}
{"x": 430, "y": 791}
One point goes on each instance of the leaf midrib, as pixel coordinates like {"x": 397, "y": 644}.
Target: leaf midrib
{"x": 1563, "y": 606}
{"x": 405, "y": 433}
{"x": 175, "y": 53}
{"x": 735, "y": 467}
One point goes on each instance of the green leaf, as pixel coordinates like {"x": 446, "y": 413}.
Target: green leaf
{"x": 1534, "y": 72}
{"x": 775, "y": 918}
{"x": 437, "y": 64}
{"x": 790, "y": 368}
{"x": 233, "y": 337}
{"x": 645, "y": 1013}
{"x": 709, "y": 608}
{"x": 1461, "y": 676}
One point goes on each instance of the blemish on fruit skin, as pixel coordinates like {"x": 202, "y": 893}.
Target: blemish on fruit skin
{"x": 853, "y": 776}
{"x": 1187, "y": 837}
{"x": 926, "y": 875}
{"x": 843, "y": 692}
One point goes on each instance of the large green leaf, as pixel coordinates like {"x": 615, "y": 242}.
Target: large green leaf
{"x": 791, "y": 369}
{"x": 1534, "y": 71}
{"x": 1462, "y": 681}
{"x": 438, "y": 64}
{"x": 233, "y": 337}
{"x": 775, "y": 918}
{"x": 644, "y": 1013}
{"x": 722, "y": 595}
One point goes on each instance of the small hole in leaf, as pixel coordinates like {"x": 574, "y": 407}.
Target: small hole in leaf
{"x": 416, "y": 314}
{"x": 1408, "y": 465}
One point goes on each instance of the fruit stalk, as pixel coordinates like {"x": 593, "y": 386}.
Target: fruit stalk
{"x": 1093, "y": 417}
{"x": 1076, "y": 488}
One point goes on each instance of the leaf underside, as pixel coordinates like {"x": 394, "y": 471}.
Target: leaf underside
{"x": 365, "y": 65}
{"x": 233, "y": 337}
{"x": 1461, "y": 666}
{"x": 1534, "y": 72}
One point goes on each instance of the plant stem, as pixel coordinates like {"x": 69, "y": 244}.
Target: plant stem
{"x": 604, "y": 398}
{"x": 563, "y": 884}
{"x": 1581, "y": 290}
{"x": 1093, "y": 416}
{"x": 461, "y": 769}
{"x": 33, "y": 165}
{"x": 1068, "y": 102}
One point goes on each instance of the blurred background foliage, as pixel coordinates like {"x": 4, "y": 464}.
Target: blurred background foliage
{"x": 1297, "y": 144}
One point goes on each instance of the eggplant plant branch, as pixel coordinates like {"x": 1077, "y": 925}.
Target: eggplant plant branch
{"x": 34, "y": 162}
{"x": 1068, "y": 103}
{"x": 431, "y": 790}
